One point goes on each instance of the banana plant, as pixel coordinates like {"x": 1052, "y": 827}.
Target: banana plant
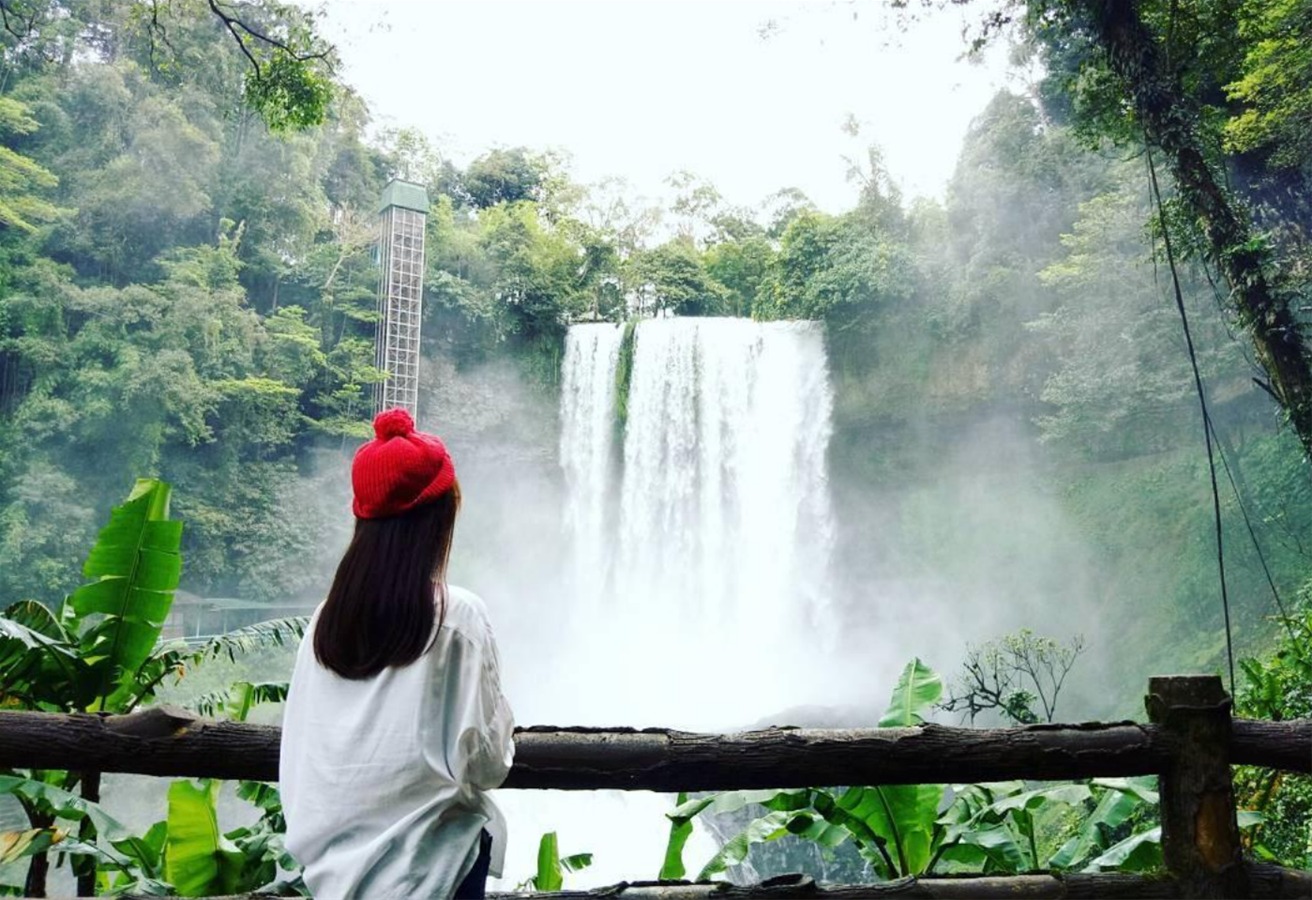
{"x": 892, "y": 827}
{"x": 993, "y": 828}
{"x": 552, "y": 867}
{"x": 908, "y": 830}
{"x": 113, "y": 847}
{"x": 202, "y": 861}
{"x": 101, "y": 652}
{"x": 95, "y": 653}
{"x": 1095, "y": 844}
{"x": 92, "y": 655}
{"x": 672, "y": 867}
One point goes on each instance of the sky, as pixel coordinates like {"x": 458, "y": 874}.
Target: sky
{"x": 752, "y": 96}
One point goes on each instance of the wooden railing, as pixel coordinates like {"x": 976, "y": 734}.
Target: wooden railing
{"x": 1190, "y": 742}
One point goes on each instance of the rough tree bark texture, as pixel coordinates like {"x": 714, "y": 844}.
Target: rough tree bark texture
{"x": 86, "y": 879}
{"x": 1200, "y": 834}
{"x": 171, "y": 743}
{"x": 1169, "y": 117}
{"x": 1276, "y": 745}
{"x": 1267, "y": 882}
{"x": 166, "y": 742}
{"x": 779, "y": 757}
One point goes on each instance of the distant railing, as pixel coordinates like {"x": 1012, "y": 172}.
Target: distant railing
{"x": 1190, "y": 742}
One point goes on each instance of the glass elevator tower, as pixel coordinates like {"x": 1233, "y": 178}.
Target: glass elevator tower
{"x": 403, "y": 214}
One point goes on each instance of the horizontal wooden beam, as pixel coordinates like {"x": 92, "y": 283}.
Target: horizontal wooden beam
{"x": 1023, "y": 887}
{"x": 1267, "y": 881}
{"x": 1275, "y": 745}
{"x": 662, "y": 760}
{"x": 170, "y": 742}
{"x": 156, "y": 741}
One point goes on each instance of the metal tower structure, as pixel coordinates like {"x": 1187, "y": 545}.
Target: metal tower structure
{"x": 402, "y": 213}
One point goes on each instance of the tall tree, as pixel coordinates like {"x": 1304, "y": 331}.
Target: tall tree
{"x": 1171, "y": 122}
{"x": 1168, "y": 65}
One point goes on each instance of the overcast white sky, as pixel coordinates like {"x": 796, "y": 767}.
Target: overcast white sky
{"x": 750, "y": 95}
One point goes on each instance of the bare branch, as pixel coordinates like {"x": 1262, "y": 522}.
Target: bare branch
{"x": 230, "y": 23}
{"x": 236, "y": 24}
{"x": 1011, "y": 674}
{"x": 10, "y": 13}
{"x": 156, "y": 30}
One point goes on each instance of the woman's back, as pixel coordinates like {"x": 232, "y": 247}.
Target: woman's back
{"x": 383, "y": 777}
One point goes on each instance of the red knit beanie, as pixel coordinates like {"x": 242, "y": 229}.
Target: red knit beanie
{"x": 399, "y": 469}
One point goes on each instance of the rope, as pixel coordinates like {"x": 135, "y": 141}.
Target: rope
{"x": 1207, "y": 419}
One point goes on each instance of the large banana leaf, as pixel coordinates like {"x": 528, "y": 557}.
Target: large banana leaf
{"x": 15, "y": 845}
{"x": 672, "y": 868}
{"x": 38, "y": 661}
{"x": 732, "y": 801}
{"x": 549, "y": 876}
{"x": 903, "y": 816}
{"x": 769, "y": 827}
{"x": 814, "y": 828}
{"x": 790, "y": 813}
{"x": 64, "y": 804}
{"x": 552, "y": 866}
{"x": 198, "y": 860}
{"x": 990, "y": 849}
{"x": 1139, "y": 852}
{"x": 1142, "y": 786}
{"x": 43, "y": 626}
{"x": 917, "y": 690}
{"x": 970, "y": 802}
{"x": 134, "y": 569}
{"x": 993, "y": 826}
{"x": 1121, "y": 797}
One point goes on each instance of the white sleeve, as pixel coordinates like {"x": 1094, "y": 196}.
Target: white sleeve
{"x": 481, "y": 726}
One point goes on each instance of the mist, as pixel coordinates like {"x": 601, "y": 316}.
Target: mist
{"x": 894, "y": 366}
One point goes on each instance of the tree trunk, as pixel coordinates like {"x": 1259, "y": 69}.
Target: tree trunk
{"x": 1169, "y": 118}
{"x": 86, "y": 876}
{"x": 1268, "y": 881}
{"x": 39, "y": 868}
{"x": 160, "y": 741}
{"x": 1200, "y": 836}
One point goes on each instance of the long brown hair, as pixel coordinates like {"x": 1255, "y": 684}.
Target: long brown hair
{"x": 381, "y": 611}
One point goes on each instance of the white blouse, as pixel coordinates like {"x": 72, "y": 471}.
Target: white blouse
{"x": 383, "y": 779}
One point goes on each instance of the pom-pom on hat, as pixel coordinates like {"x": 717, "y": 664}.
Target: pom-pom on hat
{"x": 399, "y": 469}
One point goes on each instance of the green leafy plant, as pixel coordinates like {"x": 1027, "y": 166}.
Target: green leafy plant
{"x": 102, "y": 652}
{"x": 1279, "y": 687}
{"x": 909, "y": 830}
{"x": 892, "y": 827}
{"x": 200, "y": 860}
{"x": 1019, "y": 675}
{"x": 97, "y": 652}
{"x": 672, "y": 867}
{"x": 552, "y": 866}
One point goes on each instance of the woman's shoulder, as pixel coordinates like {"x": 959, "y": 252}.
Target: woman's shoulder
{"x": 465, "y": 612}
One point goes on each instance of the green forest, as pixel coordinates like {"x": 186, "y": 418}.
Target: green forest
{"x": 188, "y": 197}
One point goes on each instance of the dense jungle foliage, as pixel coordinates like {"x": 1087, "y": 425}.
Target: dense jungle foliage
{"x": 187, "y": 289}
{"x": 188, "y": 293}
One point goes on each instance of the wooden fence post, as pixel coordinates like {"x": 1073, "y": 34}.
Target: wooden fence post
{"x": 1200, "y": 831}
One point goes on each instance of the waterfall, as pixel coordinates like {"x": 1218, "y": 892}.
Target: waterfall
{"x": 703, "y": 555}
{"x": 695, "y": 590}
{"x": 587, "y": 423}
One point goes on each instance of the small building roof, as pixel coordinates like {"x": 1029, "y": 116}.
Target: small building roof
{"x": 405, "y": 194}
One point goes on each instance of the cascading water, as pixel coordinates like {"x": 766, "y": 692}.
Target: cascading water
{"x": 587, "y": 424}
{"x": 724, "y": 507}
{"x": 700, "y": 532}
